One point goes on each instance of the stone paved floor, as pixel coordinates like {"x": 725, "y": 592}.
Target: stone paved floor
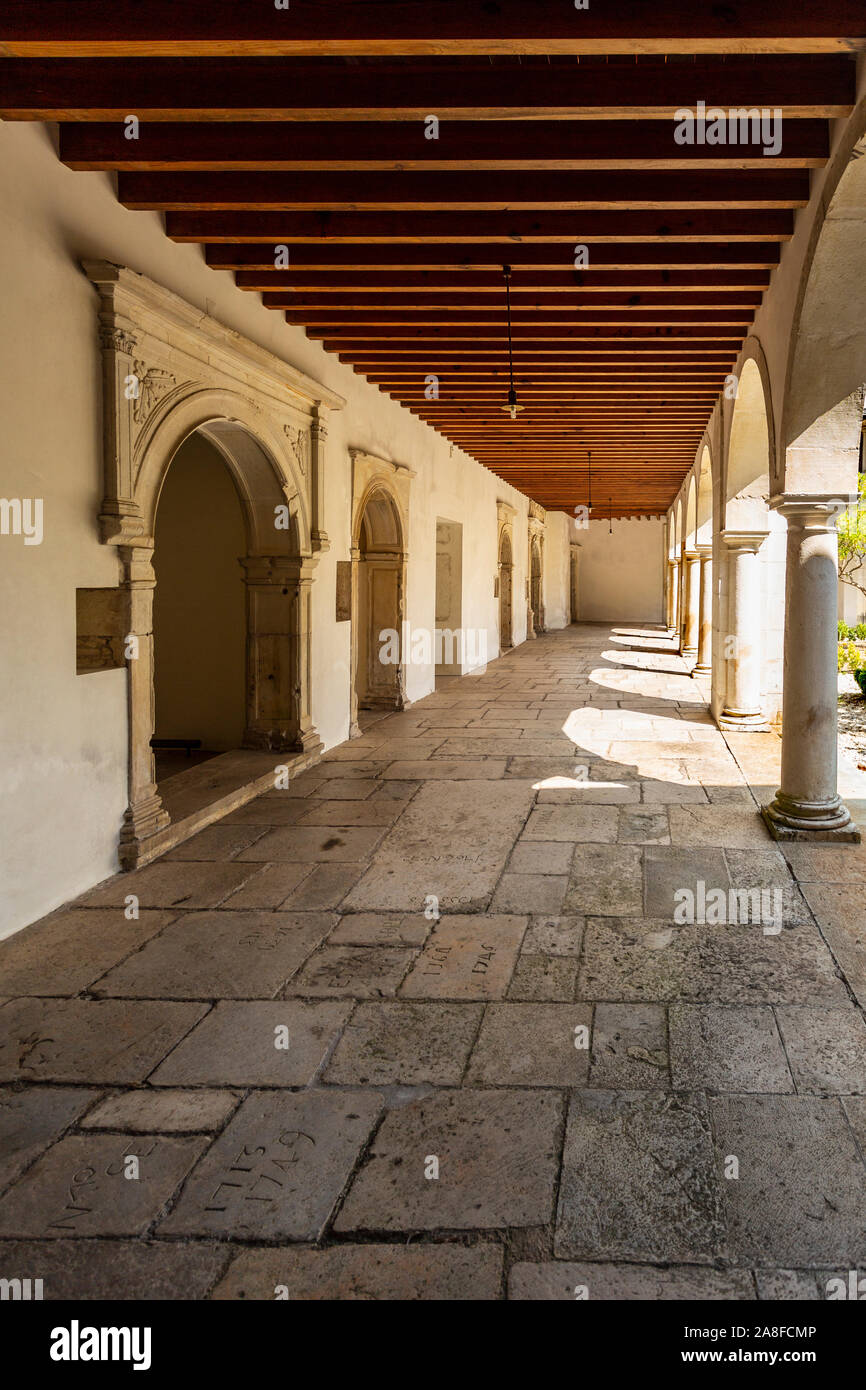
{"x": 249, "y": 1086}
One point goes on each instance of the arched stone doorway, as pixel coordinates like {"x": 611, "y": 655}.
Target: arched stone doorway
{"x": 199, "y": 611}
{"x": 378, "y": 673}
{"x": 506, "y": 586}
{"x": 274, "y": 714}
{"x": 379, "y": 555}
{"x": 535, "y": 579}
{"x": 535, "y": 586}
{"x": 171, "y": 373}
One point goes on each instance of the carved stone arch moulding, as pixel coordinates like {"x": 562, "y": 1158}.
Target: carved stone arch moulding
{"x": 160, "y": 354}
{"x": 503, "y": 588}
{"x": 170, "y": 371}
{"x": 505, "y": 515}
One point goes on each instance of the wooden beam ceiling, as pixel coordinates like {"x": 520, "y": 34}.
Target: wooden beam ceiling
{"x": 449, "y": 27}
{"x": 293, "y": 146}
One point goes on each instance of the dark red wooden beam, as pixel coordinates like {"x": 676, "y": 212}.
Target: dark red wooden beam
{"x": 284, "y": 89}
{"x": 367, "y": 145}
{"x": 520, "y": 256}
{"x": 272, "y": 228}
{"x": 417, "y": 190}
{"x": 450, "y": 27}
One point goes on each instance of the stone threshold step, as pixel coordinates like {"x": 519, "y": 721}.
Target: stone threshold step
{"x": 201, "y": 795}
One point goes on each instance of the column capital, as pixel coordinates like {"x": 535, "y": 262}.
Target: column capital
{"x": 744, "y": 540}
{"x": 137, "y": 561}
{"x": 815, "y": 509}
{"x": 705, "y": 550}
{"x": 690, "y": 553}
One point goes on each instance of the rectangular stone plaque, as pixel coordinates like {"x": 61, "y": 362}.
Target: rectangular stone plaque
{"x": 100, "y": 630}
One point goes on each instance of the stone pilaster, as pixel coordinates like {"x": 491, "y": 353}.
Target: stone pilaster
{"x": 145, "y": 814}
{"x": 318, "y": 441}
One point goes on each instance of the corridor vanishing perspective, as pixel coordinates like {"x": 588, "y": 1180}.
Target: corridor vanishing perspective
{"x": 485, "y": 1003}
{"x": 432, "y": 553}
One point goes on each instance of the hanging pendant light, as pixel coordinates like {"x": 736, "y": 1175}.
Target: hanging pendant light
{"x": 512, "y": 407}
{"x": 589, "y": 481}
{"x": 610, "y": 514}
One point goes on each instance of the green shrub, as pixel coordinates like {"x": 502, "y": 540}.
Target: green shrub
{"x": 850, "y": 659}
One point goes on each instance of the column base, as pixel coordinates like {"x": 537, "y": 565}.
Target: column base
{"x": 788, "y": 819}
{"x": 140, "y": 823}
{"x": 308, "y": 742}
{"x": 743, "y": 722}
{"x": 689, "y": 653}
{"x": 700, "y": 670}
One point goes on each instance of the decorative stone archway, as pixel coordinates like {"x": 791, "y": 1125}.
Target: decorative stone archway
{"x": 168, "y": 372}
{"x": 535, "y": 571}
{"x": 505, "y": 573}
{"x": 380, "y": 527}
{"x": 574, "y": 549}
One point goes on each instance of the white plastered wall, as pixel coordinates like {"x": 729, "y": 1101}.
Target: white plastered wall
{"x": 557, "y": 577}
{"x": 622, "y": 574}
{"x": 63, "y": 737}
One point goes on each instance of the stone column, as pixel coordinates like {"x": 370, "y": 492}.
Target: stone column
{"x": 807, "y": 806}
{"x": 704, "y": 665}
{"x": 145, "y": 814}
{"x": 742, "y": 642}
{"x": 691, "y": 602}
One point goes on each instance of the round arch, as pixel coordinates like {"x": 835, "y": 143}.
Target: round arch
{"x": 536, "y": 582}
{"x": 378, "y": 600}
{"x": 705, "y": 498}
{"x": 690, "y": 512}
{"x": 505, "y": 578}
{"x": 377, "y": 521}
{"x": 277, "y": 576}
{"x": 266, "y": 470}
{"x": 826, "y": 366}
{"x": 749, "y": 454}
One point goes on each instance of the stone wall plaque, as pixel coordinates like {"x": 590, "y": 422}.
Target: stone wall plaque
{"x": 100, "y": 630}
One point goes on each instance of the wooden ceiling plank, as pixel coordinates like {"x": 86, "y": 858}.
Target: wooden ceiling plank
{"x": 369, "y": 145}
{"x": 420, "y": 190}
{"x": 451, "y": 27}
{"x": 626, "y": 224}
